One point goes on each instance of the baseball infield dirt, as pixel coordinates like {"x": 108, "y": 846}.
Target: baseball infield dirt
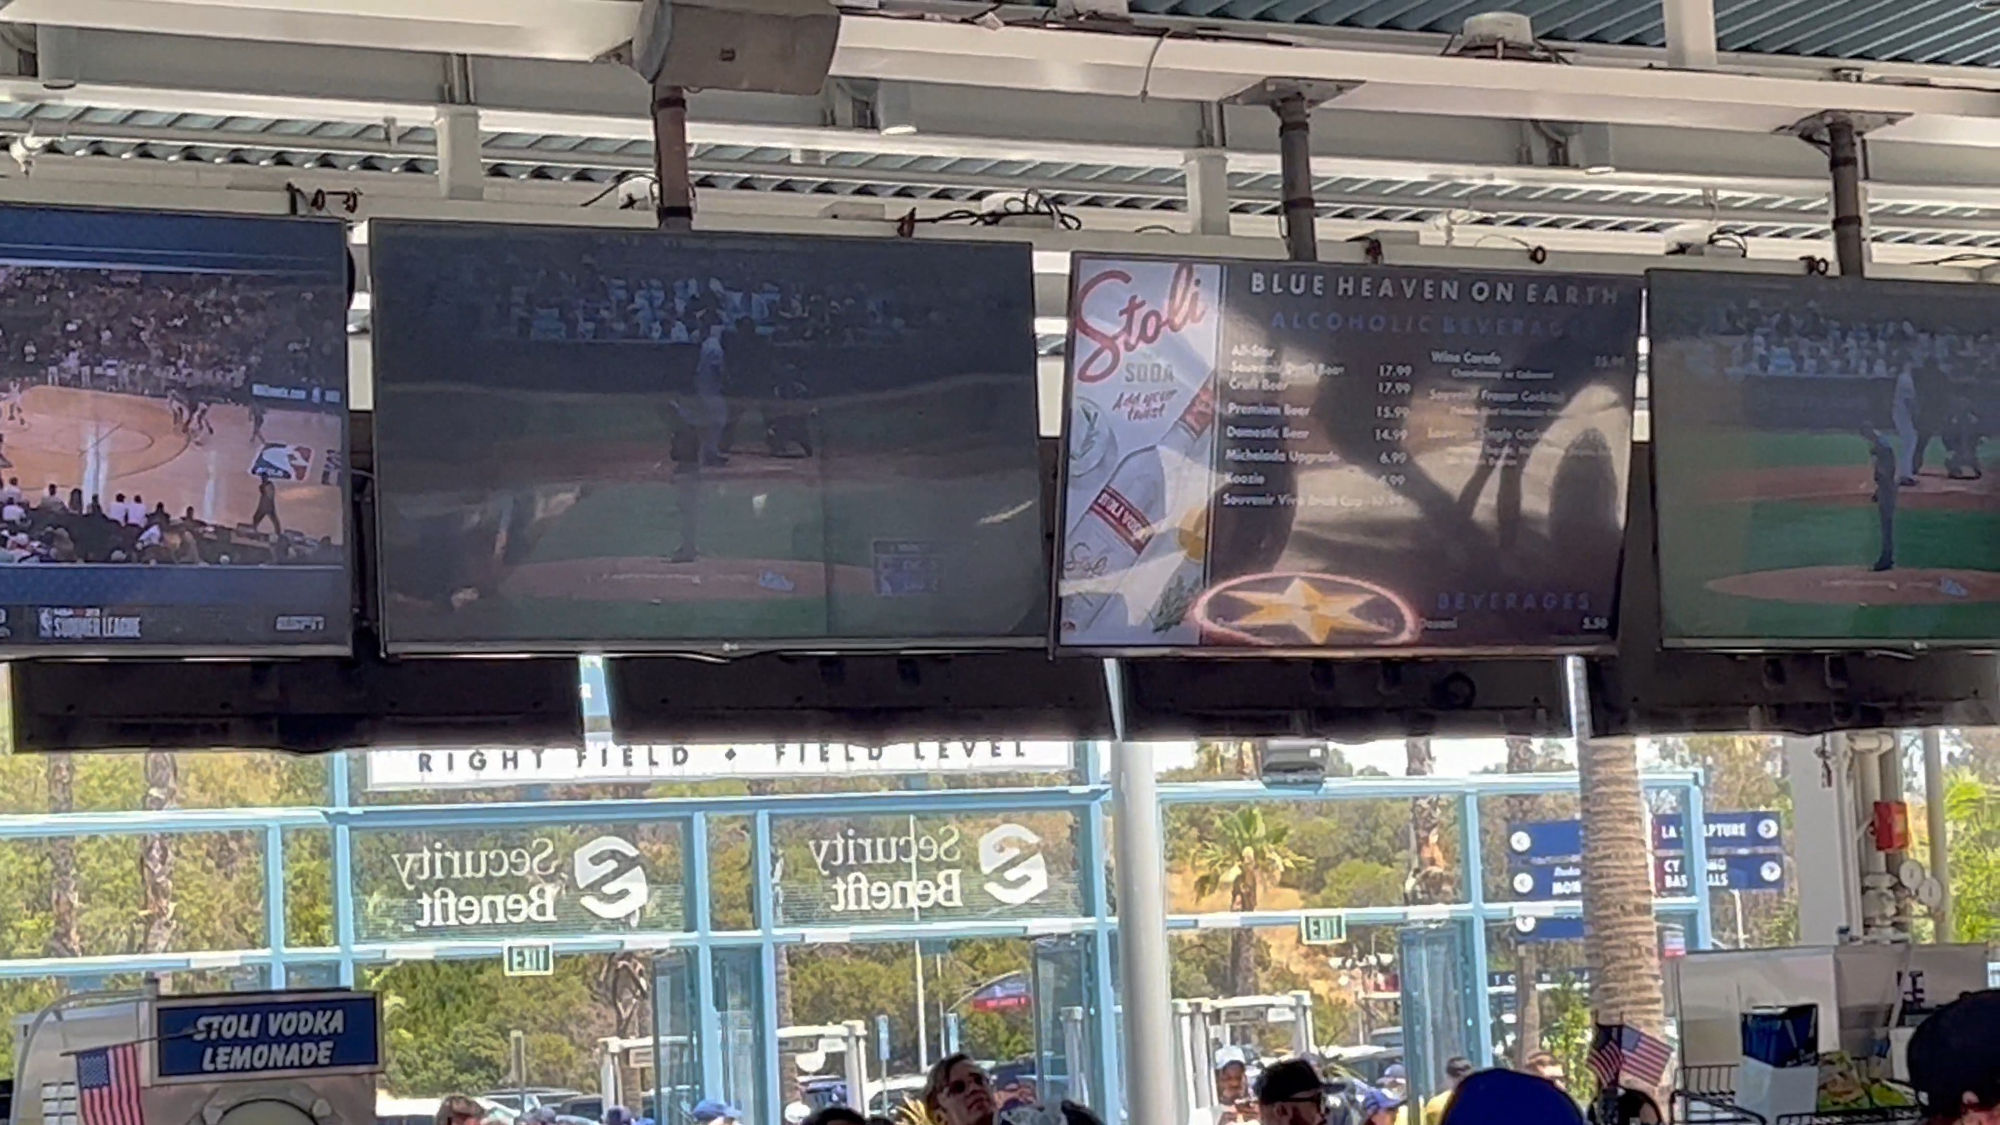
{"x": 1859, "y": 586}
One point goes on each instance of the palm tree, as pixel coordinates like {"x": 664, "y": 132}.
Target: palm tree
{"x": 156, "y": 857}
{"x": 1242, "y": 852}
{"x": 1621, "y": 938}
{"x": 63, "y": 938}
{"x": 1431, "y": 878}
{"x": 1527, "y": 992}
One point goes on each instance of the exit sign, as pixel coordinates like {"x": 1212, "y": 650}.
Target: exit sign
{"x": 530, "y": 959}
{"x": 1322, "y": 929}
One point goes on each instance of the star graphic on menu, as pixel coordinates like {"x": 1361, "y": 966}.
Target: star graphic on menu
{"x": 1316, "y": 614}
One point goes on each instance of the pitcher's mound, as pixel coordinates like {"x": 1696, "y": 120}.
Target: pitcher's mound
{"x": 1857, "y": 585}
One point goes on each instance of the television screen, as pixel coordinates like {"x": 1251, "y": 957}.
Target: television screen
{"x": 1324, "y": 457}
{"x": 173, "y": 434}
{"x": 1821, "y": 472}
{"x": 632, "y": 441}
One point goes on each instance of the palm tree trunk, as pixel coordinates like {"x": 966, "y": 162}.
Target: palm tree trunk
{"x": 156, "y": 858}
{"x": 1621, "y": 937}
{"x": 63, "y": 938}
{"x": 1242, "y": 942}
{"x": 1430, "y": 879}
{"x": 1527, "y": 967}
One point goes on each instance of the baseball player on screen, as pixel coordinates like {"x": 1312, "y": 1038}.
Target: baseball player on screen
{"x": 1884, "y": 455}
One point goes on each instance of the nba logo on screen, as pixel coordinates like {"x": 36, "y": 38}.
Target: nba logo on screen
{"x": 278, "y": 461}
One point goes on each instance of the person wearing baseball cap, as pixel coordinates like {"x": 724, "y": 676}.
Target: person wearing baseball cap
{"x": 1955, "y": 1061}
{"x": 1291, "y": 1093}
{"x": 1381, "y": 1107}
{"x": 711, "y": 1110}
{"x": 1232, "y": 1067}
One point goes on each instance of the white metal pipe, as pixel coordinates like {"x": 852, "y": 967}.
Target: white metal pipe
{"x": 1141, "y": 880}
{"x": 1934, "y": 811}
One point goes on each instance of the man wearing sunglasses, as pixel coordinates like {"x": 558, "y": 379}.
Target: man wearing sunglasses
{"x": 1291, "y": 1093}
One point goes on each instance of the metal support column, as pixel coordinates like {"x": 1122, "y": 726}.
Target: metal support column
{"x": 1475, "y": 892}
{"x": 1843, "y": 162}
{"x": 274, "y": 901}
{"x": 704, "y": 955}
{"x": 1690, "y": 32}
{"x": 670, "y": 158}
{"x": 767, "y": 976}
{"x": 1207, "y": 174}
{"x": 1694, "y": 836}
{"x": 1295, "y": 171}
{"x": 1090, "y": 759}
{"x": 1940, "y": 857}
{"x": 1142, "y": 921}
{"x": 343, "y": 868}
{"x": 461, "y": 165}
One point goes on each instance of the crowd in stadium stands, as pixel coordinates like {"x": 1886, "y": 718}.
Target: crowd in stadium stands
{"x": 535, "y": 301}
{"x": 1813, "y": 344}
{"x": 202, "y": 335}
{"x": 56, "y": 527}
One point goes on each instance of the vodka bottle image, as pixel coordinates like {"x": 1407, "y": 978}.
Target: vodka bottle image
{"x": 1122, "y": 520}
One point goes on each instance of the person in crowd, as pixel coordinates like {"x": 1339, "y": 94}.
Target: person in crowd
{"x": 1631, "y": 1107}
{"x": 76, "y": 499}
{"x": 1381, "y": 1106}
{"x": 1543, "y": 1065}
{"x": 1291, "y": 1092}
{"x": 1456, "y": 1069}
{"x": 1955, "y": 1061}
{"x": 836, "y": 1115}
{"x": 51, "y": 501}
{"x": 460, "y": 1110}
{"x": 117, "y": 509}
{"x": 617, "y": 1115}
{"x": 715, "y": 1110}
{"x": 12, "y": 513}
{"x": 1396, "y": 1080}
{"x": 1232, "y": 1075}
{"x": 135, "y": 512}
{"x": 12, "y": 491}
{"x": 958, "y": 1092}
{"x": 1506, "y": 1097}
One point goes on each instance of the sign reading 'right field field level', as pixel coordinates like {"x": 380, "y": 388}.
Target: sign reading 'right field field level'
{"x": 1324, "y": 457}
{"x": 1821, "y": 471}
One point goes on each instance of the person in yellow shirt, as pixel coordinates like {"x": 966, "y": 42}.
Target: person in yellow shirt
{"x": 1456, "y": 1070}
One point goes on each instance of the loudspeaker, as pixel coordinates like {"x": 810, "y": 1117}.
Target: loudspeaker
{"x": 770, "y": 46}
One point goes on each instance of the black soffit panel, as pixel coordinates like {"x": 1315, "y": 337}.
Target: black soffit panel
{"x": 302, "y": 706}
{"x": 1647, "y": 690}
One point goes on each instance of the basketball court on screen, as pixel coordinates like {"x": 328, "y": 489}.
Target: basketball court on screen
{"x": 106, "y": 443}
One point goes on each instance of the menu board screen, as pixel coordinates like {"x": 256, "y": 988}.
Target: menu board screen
{"x": 1324, "y": 457}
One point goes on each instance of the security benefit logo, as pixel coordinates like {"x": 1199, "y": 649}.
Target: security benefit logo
{"x": 1011, "y": 857}
{"x": 527, "y": 884}
{"x": 908, "y": 872}
{"x": 612, "y": 878}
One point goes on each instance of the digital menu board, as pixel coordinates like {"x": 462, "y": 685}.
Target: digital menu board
{"x": 173, "y": 434}
{"x": 1820, "y": 466}
{"x": 1273, "y": 456}
{"x": 635, "y": 442}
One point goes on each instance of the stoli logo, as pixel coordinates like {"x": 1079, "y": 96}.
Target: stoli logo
{"x": 1137, "y": 324}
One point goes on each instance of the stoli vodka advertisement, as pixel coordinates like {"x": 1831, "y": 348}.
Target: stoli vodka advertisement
{"x": 1341, "y": 457}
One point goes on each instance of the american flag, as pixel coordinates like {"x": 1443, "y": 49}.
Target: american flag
{"x": 107, "y": 1085}
{"x": 1625, "y": 1056}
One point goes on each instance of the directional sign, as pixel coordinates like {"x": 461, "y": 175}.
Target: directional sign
{"x": 1725, "y": 832}
{"x": 1548, "y": 929}
{"x": 1503, "y": 979}
{"x": 1555, "y": 881}
{"x": 1725, "y": 873}
{"x": 1546, "y": 841}
{"x": 529, "y": 959}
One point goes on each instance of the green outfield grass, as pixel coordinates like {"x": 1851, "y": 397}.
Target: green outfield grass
{"x": 1704, "y": 540}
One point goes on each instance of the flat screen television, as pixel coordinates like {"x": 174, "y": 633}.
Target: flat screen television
{"x": 173, "y": 434}
{"x": 1271, "y": 457}
{"x": 1821, "y": 470}
{"x": 637, "y": 442}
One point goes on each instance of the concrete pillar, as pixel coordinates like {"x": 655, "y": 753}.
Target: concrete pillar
{"x": 1207, "y": 174}
{"x": 1141, "y": 882}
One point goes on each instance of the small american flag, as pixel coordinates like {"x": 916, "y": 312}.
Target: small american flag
{"x": 107, "y": 1085}
{"x": 1625, "y": 1056}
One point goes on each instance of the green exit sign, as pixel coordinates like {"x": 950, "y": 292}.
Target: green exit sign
{"x": 531, "y": 959}
{"x": 1323, "y": 929}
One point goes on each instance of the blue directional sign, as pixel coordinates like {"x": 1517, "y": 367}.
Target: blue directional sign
{"x": 208, "y": 1038}
{"x": 1551, "y": 881}
{"x": 1725, "y": 832}
{"x": 1725, "y": 873}
{"x": 1546, "y": 841}
{"x": 1548, "y": 929}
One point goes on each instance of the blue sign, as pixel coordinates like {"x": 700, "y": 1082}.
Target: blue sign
{"x": 217, "y": 1039}
{"x": 1725, "y": 873}
{"x": 1552, "y": 881}
{"x": 1548, "y": 929}
{"x": 1547, "y": 841}
{"x": 1757, "y": 832}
